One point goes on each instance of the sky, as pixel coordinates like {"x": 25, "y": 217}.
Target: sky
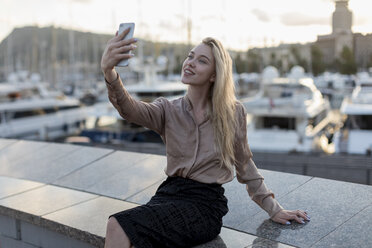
{"x": 239, "y": 24}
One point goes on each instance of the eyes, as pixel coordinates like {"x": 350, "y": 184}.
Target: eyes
{"x": 200, "y": 60}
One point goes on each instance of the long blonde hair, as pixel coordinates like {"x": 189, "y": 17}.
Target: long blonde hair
{"x": 223, "y": 103}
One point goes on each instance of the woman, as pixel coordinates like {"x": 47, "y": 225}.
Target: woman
{"x": 205, "y": 137}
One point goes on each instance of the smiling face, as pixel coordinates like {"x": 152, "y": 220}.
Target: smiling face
{"x": 199, "y": 67}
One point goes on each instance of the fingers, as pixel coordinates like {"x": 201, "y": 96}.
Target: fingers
{"x": 120, "y": 57}
{"x": 303, "y": 215}
{"x": 299, "y": 216}
{"x": 124, "y": 49}
{"x": 118, "y": 44}
{"x": 284, "y": 217}
{"x": 122, "y": 35}
{"x": 283, "y": 221}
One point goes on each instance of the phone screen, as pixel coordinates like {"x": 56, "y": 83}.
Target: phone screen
{"x": 122, "y": 27}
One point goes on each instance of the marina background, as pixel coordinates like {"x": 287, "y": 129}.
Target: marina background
{"x": 52, "y": 87}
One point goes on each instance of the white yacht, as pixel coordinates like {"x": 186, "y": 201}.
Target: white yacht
{"x": 29, "y": 110}
{"x": 152, "y": 86}
{"x": 335, "y": 86}
{"x": 288, "y": 114}
{"x": 355, "y": 137}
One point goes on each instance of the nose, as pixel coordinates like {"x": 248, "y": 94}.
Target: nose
{"x": 190, "y": 63}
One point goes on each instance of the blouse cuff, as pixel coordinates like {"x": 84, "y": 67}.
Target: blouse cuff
{"x": 271, "y": 206}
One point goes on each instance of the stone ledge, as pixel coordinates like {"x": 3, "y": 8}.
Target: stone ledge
{"x": 94, "y": 177}
{"x": 78, "y": 226}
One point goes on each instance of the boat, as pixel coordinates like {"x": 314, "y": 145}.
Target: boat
{"x": 153, "y": 86}
{"x": 29, "y": 110}
{"x": 288, "y": 114}
{"x": 335, "y": 87}
{"x": 355, "y": 137}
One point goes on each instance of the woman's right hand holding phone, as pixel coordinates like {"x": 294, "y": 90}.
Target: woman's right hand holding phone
{"x": 116, "y": 50}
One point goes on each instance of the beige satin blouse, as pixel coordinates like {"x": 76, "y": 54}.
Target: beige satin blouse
{"x": 190, "y": 147}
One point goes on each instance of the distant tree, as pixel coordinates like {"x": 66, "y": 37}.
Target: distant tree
{"x": 369, "y": 65}
{"x": 317, "y": 64}
{"x": 178, "y": 67}
{"x": 254, "y": 61}
{"x": 347, "y": 64}
{"x": 276, "y": 62}
{"x": 298, "y": 60}
{"x": 273, "y": 59}
{"x": 240, "y": 64}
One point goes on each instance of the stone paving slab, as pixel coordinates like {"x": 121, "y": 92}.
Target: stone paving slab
{"x": 145, "y": 195}
{"x": 90, "y": 216}
{"x": 115, "y": 177}
{"x": 12, "y": 154}
{"x": 133, "y": 180}
{"x": 20, "y": 164}
{"x": 353, "y": 233}
{"x": 11, "y": 186}
{"x": 106, "y": 167}
{"x": 48, "y": 172}
{"x": 6, "y": 142}
{"x": 45, "y": 199}
{"x": 329, "y": 203}
{"x": 242, "y": 208}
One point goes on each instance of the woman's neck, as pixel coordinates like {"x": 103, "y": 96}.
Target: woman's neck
{"x": 198, "y": 97}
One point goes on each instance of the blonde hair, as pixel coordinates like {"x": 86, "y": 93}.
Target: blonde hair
{"x": 223, "y": 103}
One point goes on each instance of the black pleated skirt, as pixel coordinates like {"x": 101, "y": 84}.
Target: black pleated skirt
{"x": 182, "y": 213}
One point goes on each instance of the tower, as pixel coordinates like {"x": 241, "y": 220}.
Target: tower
{"x": 342, "y": 18}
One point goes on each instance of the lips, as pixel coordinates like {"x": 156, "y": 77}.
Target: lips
{"x": 188, "y": 72}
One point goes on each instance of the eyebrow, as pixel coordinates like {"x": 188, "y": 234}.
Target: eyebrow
{"x": 201, "y": 56}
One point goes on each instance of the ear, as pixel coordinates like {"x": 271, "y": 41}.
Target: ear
{"x": 213, "y": 78}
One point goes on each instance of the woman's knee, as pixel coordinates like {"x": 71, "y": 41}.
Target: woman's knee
{"x": 113, "y": 226}
{"x": 115, "y": 235}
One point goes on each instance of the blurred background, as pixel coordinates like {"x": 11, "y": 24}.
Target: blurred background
{"x": 301, "y": 68}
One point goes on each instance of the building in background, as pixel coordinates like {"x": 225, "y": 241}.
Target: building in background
{"x": 331, "y": 46}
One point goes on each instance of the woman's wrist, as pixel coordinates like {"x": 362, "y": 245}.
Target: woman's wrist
{"x": 110, "y": 75}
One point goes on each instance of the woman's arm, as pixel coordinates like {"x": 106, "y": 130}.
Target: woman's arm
{"x": 247, "y": 173}
{"x": 144, "y": 114}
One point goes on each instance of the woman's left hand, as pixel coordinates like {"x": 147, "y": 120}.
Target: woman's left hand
{"x": 284, "y": 216}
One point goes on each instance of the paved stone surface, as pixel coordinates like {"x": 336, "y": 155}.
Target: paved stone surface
{"x": 90, "y": 216}
{"x": 329, "y": 203}
{"x": 353, "y": 233}
{"x": 10, "y": 186}
{"x": 19, "y": 151}
{"x": 341, "y": 212}
{"x": 118, "y": 175}
{"x": 266, "y": 243}
{"x": 236, "y": 239}
{"x": 46, "y": 199}
{"x": 49, "y": 172}
{"x": 20, "y": 165}
{"x": 132, "y": 180}
{"x": 106, "y": 167}
{"x": 242, "y": 208}
{"x": 145, "y": 195}
{"x": 6, "y": 142}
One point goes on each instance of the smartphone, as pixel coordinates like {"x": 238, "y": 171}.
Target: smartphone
{"x": 122, "y": 28}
